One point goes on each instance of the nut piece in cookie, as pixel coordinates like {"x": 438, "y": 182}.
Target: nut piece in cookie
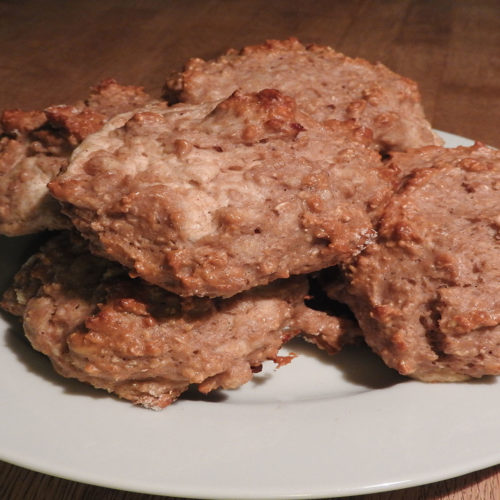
{"x": 36, "y": 145}
{"x": 325, "y": 83}
{"x": 427, "y": 293}
{"x": 216, "y": 198}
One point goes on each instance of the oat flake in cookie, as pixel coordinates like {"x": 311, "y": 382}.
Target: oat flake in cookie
{"x": 143, "y": 343}
{"x": 325, "y": 83}
{"x": 212, "y": 199}
{"x": 427, "y": 294}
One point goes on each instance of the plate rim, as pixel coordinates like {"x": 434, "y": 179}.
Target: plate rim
{"x": 191, "y": 491}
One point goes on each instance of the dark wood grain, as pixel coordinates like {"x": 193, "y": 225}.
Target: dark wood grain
{"x": 17, "y": 483}
{"x": 53, "y": 51}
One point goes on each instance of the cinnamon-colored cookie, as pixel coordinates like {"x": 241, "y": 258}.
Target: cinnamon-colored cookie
{"x": 325, "y": 83}
{"x": 427, "y": 293}
{"x": 36, "y": 145}
{"x": 213, "y": 199}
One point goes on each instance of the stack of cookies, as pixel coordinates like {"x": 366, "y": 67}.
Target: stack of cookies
{"x": 190, "y": 227}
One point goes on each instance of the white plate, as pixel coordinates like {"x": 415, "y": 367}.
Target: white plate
{"x": 319, "y": 427}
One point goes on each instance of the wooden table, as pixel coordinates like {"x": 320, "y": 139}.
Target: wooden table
{"x": 53, "y": 51}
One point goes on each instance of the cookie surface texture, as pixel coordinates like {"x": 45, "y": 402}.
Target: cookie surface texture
{"x": 427, "y": 294}
{"x": 139, "y": 341}
{"x": 36, "y": 145}
{"x": 212, "y": 199}
{"x": 325, "y": 83}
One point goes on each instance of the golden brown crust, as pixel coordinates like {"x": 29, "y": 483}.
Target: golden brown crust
{"x": 36, "y": 145}
{"x": 31, "y": 154}
{"x": 325, "y": 83}
{"x": 216, "y": 198}
{"x": 139, "y": 341}
{"x": 427, "y": 293}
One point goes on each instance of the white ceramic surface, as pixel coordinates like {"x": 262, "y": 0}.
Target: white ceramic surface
{"x": 319, "y": 427}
